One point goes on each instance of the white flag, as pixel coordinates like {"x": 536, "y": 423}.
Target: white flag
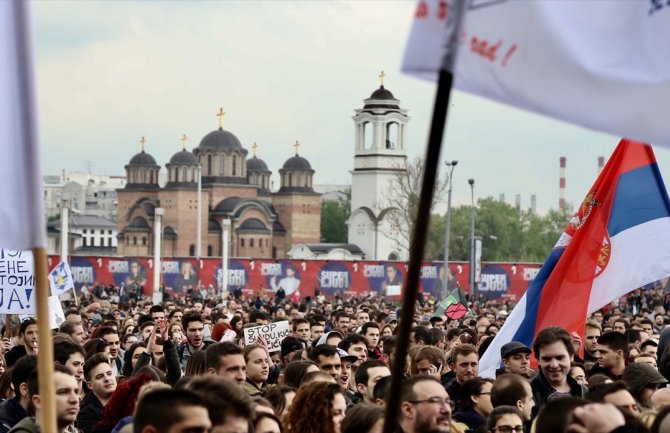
{"x": 602, "y": 64}
{"x": 60, "y": 279}
{"x": 21, "y": 218}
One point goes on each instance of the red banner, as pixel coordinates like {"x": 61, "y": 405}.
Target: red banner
{"x": 297, "y": 277}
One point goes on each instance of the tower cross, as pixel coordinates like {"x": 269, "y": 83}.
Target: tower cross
{"x": 381, "y": 78}
{"x": 220, "y": 115}
{"x": 297, "y": 146}
{"x": 142, "y": 141}
{"x": 183, "y": 139}
{"x": 254, "y": 147}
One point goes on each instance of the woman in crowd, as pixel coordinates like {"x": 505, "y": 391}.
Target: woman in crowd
{"x": 505, "y": 419}
{"x": 258, "y": 368}
{"x": 316, "y": 401}
{"x": 475, "y": 404}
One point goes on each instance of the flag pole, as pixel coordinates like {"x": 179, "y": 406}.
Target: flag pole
{"x": 420, "y": 227}
{"x": 45, "y": 359}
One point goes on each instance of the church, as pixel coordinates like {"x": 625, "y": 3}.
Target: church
{"x": 264, "y": 224}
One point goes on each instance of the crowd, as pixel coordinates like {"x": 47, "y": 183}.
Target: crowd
{"x": 182, "y": 367}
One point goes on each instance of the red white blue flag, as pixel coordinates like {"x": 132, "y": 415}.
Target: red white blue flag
{"x": 616, "y": 242}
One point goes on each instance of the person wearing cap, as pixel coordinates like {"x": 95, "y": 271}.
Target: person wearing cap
{"x": 289, "y": 346}
{"x": 345, "y": 376}
{"x": 643, "y": 380}
{"x": 516, "y": 359}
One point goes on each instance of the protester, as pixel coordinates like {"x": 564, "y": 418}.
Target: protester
{"x": 316, "y": 401}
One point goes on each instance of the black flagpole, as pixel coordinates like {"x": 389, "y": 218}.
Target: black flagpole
{"x": 420, "y": 229}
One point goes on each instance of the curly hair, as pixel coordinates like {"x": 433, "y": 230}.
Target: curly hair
{"x": 312, "y": 402}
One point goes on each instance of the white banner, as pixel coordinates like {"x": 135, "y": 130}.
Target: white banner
{"x": 17, "y": 282}
{"x": 21, "y": 217}
{"x": 273, "y": 333}
{"x": 602, "y": 64}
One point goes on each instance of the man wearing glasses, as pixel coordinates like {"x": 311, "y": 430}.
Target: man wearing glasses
{"x": 425, "y": 406}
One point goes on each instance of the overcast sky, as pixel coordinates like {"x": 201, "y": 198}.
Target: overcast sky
{"x": 109, "y": 73}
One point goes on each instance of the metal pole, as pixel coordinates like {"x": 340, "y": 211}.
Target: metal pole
{"x": 224, "y": 265}
{"x": 64, "y": 229}
{"x": 473, "y": 285}
{"x": 198, "y": 244}
{"x": 445, "y": 285}
{"x": 158, "y": 232}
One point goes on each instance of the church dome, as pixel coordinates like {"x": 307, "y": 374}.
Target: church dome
{"x": 183, "y": 157}
{"x": 382, "y": 93}
{"x": 297, "y": 162}
{"x": 142, "y": 159}
{"x": 256, "y": 164}
{"x": 220, "y": 140}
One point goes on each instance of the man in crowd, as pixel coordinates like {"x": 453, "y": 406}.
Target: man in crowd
{"x": 513, "y": 390}
{"x": 16, "y": 408}
{"x": 72, "y": 356}
{"x": 342, "y": 321}
{"x": 66, "y": 401}
{"x": 465, "y": 363}
{"x": 193, "y": 325}
{"x": 171, "y": 411}
{"x": 114, "y": 342}
{"x": 424, "y": 406}
{"x": 229, "y": 407}
{"x": 226, "y": 360}
{"x": 301, "y": 329}
{"x": 616, "y": 393}
{"x": 593, "y": 332}
{"x": 328, "y": 360}
{"x": 367, "y": 375}
{"x": 611, "y": 355}
{"x": 554, "y": 350}
{"x": 355, "y": 345}
{"x": 643, "y": 380}
{"x": 74, "y": 330}
{"x": 102, "y": 383}
{"x": 28, "y": 335}
{"x": 516, "y": 359}
{"x": 370, "y": 331}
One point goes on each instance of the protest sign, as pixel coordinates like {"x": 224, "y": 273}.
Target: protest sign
{"x": 17, "y": 282}
{"x": 273, "y": 333}
{"x": 56, "y": 314}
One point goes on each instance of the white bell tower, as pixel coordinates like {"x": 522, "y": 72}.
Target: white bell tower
{"x": 380, "y": 154}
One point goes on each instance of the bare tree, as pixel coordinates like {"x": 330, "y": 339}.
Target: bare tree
{"x": 402, "y": 201}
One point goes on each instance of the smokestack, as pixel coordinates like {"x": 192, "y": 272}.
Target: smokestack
{"x": 517, "y": 201}
{"x": 601, "y": 163}
{"x": 561, "y": 184}
{"x": 501, "y": 197}
{"x": 533, "y": 203}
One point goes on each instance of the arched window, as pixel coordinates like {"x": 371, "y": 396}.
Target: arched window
{"x": 290, "y": 179}
{"x": 392, "y": 135}
{"x": 209, "y": 165}
{"x": 176, "y": 174}
{"x": 151, "y": 173}
{"x": 191, "y": 250}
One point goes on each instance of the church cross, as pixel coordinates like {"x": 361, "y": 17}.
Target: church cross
{"x": 297, "y": 146}
{"x": 220, "y": 115}
{"x": 381, "y": 78}
{"x": 254, "y": 147}
{"x": 183, "y": 139}
{"x": 142, "y": 141}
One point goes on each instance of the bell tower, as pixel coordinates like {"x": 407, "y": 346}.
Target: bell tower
{"x": 380, "y": 154}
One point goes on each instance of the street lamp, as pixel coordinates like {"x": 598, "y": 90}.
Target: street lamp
{"x": 224, "y": 257}
{"x": 473, "y": 285}
{"x": 450, "y": 166}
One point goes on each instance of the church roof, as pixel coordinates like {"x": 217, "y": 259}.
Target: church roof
{"x": 382, "y": 93}
{"x": 183, "y": 157}
{"x": 142, "y": 159}
{"x": 382, "y": 98}
{"x": 297, "y": 162}
{"x": 220, "y": 140}
{"x": 256, "y": 164}
{"x": 253, "y": 225}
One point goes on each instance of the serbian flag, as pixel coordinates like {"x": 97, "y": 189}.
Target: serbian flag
{"x": 600, "y": 64}
{"x": 21, "y": 217}
{"x": 616, "y": 242}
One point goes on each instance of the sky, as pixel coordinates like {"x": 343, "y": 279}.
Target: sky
{"x": 109, "y": 73}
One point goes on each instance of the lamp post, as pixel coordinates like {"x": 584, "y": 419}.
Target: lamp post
{"x": 473, "y": 285}
{"x": 158, "y": 235}
{"x": 198, "y": 244}
{"x": 225, "y": 252}
{"x": 445, "y": 285}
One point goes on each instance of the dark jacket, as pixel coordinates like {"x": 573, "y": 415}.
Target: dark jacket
{"x": 91, "y": 412}
{"x": 596, "y": 369}
{"x": 14, "y": 354}
{"x": 184, "y": 352}
{"x": 542, "y": 390}
{"x": 171, "y": 360}
{"x": 11, "y": 412}
{"x": 453, "y": 388}
{"x": 469, "y": 417}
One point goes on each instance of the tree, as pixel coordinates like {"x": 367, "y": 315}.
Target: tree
{"x": 402, "y": 197}
{"x": 334, "y": 216}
